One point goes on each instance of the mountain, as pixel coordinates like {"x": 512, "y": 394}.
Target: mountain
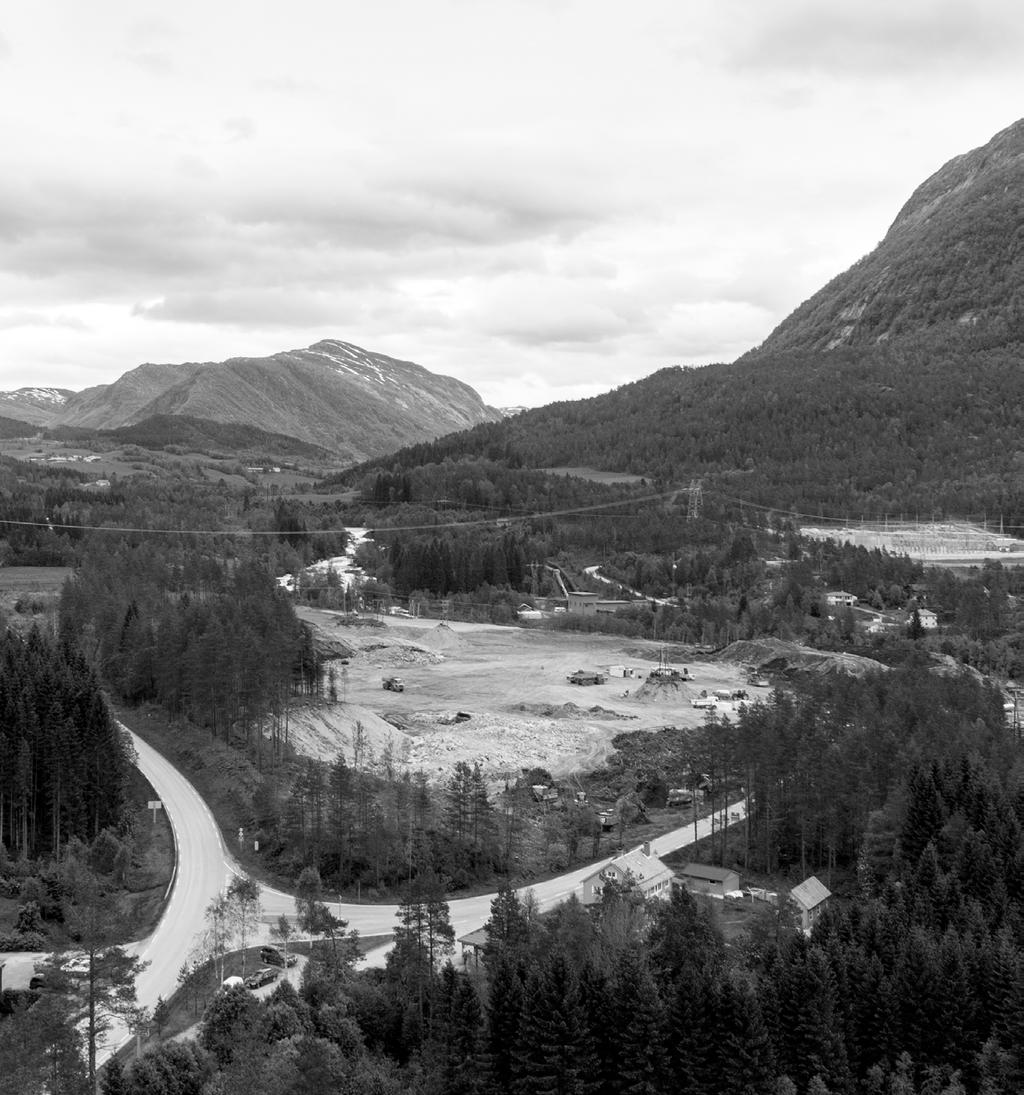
{"x": 896, "y": 389}
{"x": 952, "y": 259}
{"x": 40, "y": 406}
{"x": 355, "y": 403}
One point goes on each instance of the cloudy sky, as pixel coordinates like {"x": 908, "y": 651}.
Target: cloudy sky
{"x": 544, "y": 198}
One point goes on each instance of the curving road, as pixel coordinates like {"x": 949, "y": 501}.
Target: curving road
{"x": 205, "y": 867}
{"x": 469, "y": 913}
{"x": 202, "y": 871}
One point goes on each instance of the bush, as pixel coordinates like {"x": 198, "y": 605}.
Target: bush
{"x": 22, "y": 941}
{"x": 29, "y": 920}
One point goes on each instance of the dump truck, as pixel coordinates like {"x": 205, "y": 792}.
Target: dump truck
{"x": 393, "y": 684}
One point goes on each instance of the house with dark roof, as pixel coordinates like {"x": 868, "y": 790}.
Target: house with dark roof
{"x": 701, "y": 878}
{"x": 639, "y": 869}
{"x": 812, "y": 898}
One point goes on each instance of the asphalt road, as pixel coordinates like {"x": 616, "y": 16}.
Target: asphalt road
{"x": 205, "y": 868}
{"x": 469, "y": 913}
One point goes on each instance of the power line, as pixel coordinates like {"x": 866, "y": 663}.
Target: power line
{"x": 573, "y": 511}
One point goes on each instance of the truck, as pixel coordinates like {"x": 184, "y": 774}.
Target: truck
{"x": 393, "y": 684}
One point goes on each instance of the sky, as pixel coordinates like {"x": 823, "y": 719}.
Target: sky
{"x": 543, "y": 198}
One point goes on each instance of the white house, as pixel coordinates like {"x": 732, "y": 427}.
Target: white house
{"x": 929, "y": 621}
{"x": 837, "y": 598}
{"x": 641, "y": 869}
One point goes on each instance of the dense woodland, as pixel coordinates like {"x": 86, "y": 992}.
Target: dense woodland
{"x": 216, "y": 644}
{"x": 63, "y": 761}
{"x": 847, "y": 433}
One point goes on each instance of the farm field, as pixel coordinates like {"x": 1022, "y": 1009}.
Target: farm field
{"x": 510, "y": 682}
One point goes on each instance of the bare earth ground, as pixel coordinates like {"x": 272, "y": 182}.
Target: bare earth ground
{"x": 510, "y": 681}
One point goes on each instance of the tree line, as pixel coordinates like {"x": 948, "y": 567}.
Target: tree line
{"x": 64, "y": 763}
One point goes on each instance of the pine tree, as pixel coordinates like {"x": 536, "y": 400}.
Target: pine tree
{"x": 640, "y": 1029}
{"x": 507, "y": 929}
{"x": 505, "y": 1005}
{"x": 556, "y": 1056}
{"x": 693, "y": 1043}
{"x": 747, "y": 1058}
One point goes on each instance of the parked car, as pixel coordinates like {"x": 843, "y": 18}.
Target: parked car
{"x": 261, "y": 977}
{"x": 273, "y": 957}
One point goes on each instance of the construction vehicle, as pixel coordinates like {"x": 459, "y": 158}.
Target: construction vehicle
{"x": 544, "y": 794}
{"x": 393, "y": 684}
{"x": 628, "y": 808}
{"x": 583, "y": 677}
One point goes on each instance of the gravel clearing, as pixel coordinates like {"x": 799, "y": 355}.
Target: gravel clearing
{"x": 512, "y": 682}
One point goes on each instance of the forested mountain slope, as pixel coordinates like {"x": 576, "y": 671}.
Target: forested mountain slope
{"x": 954, "y": 257}
{"x": 896, "y": 389}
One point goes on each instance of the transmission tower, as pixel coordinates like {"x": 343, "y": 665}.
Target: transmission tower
{"x": 695, "y": 502}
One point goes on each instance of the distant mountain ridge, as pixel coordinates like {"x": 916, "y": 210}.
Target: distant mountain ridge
{"x": 40, "y": 406}
{"x": 333, "y": 395}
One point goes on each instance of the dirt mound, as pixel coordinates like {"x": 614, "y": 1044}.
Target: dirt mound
{"x": 382, "y": 652}
{"x": 443, "y": 637}
{"x": 673, "y": 653}
{"x": 501, "y": 744}
{"x": 662, "y": 690}
{"x": 568, "y": 711}
{"x": 325, "y": 730}
{"x": 779, "y": 656}
{"x": 330, "y": 647}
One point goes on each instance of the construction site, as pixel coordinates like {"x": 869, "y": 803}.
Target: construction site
{"x": 502, "y": 697}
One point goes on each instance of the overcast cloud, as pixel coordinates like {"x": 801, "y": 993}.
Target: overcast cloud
{"x": 544, "y": 199}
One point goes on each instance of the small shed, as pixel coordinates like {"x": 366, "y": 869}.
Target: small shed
{"x": 812, "y": 897}
{"x": 582, "y": 604}
{"x": 716, "y": 881}
{"x": 473, "y": 944}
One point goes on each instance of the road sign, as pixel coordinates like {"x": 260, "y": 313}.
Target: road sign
{"x": 154, "y": 804}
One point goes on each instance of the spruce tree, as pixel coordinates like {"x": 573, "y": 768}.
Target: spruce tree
{"x": 557, "y": 1057}
{"x": 505, "y": 1005}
